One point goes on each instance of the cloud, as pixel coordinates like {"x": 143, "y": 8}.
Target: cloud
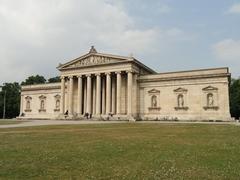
{"x": 37, "y": 35}
{"x": 227, "y": 50}
{"x": 234, "y": 9}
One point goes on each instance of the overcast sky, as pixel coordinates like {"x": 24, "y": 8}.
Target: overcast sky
{"x": 166, "y": 35}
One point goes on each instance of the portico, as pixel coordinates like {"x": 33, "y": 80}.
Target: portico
{"x": 100, "y": 84}
{"x": 100, "y": 100}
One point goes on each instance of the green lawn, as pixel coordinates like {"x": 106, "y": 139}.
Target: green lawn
{"x": 121, "y": 151}
{"x": 9, "y": 121}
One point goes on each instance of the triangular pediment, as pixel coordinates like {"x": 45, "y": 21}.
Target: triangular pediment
{"x": 210, "y": 88}
{"x": 57, "y": 96}
{"x": 91, "y": 60}
{"x": 42, "y": 97}
{"x": 28, "y": 98}
{"x": 180, "y": 90}
{"x": 153, "y": 91}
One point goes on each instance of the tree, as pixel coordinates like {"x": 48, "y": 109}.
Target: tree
{"x": 34, "y": 80}
{"x": 54, "y": 79}
{"x": 12, "y": 91}
{"x": 235, "y": 98}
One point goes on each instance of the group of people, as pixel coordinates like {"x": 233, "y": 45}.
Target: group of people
{"x": 86, "y": 115}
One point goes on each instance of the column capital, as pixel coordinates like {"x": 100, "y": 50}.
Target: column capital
{"x": 107, "y": 73}
{"x": 129, "y": 71}
{"x": 98, "y": 74}
{"x": 70, "y": 77}
{"x": 118, "y": 72}
{"x": 62, "y": 77}
{"x": 79, "y": 76}
{"x": 88, "y": 75}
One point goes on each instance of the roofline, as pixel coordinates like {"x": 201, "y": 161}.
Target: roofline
{"x": 156, "y": 77}
{"x": 144, "y": 66}
{"x": 194, "y": 70}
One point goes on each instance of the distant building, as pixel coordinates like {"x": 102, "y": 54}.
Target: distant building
{"x": 122, "y": 88}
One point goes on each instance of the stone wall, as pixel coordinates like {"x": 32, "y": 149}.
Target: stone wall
{"x": 193, "y": 95}
{"x": 40, "y": 101}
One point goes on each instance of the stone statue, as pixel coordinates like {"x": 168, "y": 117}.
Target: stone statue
{"x": 154, "y": 101}
{"x": 28, "y": 105}
{"x": 57, "y": 104}
{"x": 180, "y": 101}
{"x": 210, "y": 100}
{"x": 42, "y": 104}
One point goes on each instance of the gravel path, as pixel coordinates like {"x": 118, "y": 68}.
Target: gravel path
{"x": 30, "y": 123}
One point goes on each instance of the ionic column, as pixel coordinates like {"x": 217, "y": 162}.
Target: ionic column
{"x": 94, "y": 97}
{"x": 85, "y": 95}
{"x": 71, "y": 95}
{"x": 113, "y": 96}
{"x": 62, "y": 108}
{"x": 130, "y": 82}
{"x": 98, "y": 94}
{"x": 108, "y": 93}
{"x": 103, "y": 96}
{"x": 119, "y": 82}
{"x": 89, "y": 93}
{"x": 80, "y": 94}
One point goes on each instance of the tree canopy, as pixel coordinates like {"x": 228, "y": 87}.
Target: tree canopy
{"x": 12, "y": 91}
{"x": 34, "y": 80}
{"x": 235, "y": 98}
{"x": 54, "y": 79}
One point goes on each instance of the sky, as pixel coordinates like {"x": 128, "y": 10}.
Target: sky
{"x": 166, "y": 35}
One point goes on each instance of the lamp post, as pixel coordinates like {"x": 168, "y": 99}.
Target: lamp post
{"x": 4, "y": 102}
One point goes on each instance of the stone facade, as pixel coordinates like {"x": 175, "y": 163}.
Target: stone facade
{"x": 123, "y": 88}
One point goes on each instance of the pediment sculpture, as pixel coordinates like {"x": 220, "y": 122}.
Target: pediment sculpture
{"x": 93, "y": 60}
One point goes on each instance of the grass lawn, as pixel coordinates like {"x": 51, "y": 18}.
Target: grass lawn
{"x": 9, "y": 121}
{"x": 121, "y": 151}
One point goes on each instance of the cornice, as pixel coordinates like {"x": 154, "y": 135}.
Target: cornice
{"x": 89, "y": 66}
{"x": 41, "y": 87}
{"x": 154, "y": 79}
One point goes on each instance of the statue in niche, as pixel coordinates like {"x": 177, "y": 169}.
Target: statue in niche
{"x": 28, "y": 105}
{"x": 210, "y": 100}
{"x": 154, "y": 101}
{"x": 57, "y": 104}
{"x": 180, "y": 100}
{"x": 42, "y": 104}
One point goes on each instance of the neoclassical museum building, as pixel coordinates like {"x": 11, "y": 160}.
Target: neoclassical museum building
{"x": 115, "y": 87}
